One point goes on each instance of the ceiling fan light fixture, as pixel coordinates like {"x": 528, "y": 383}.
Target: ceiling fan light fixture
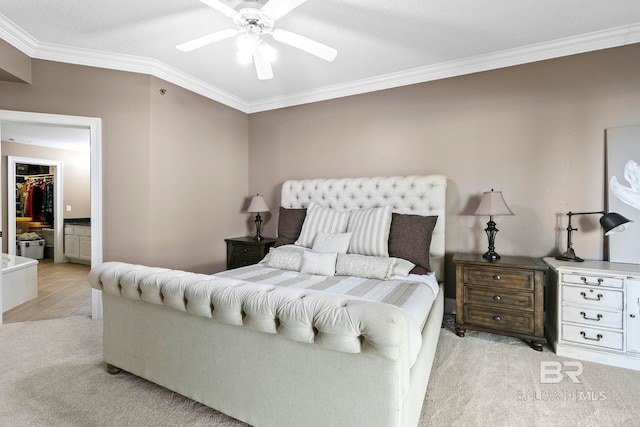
{"x": 244, "y": 57}
{"x": 246, "y": 43}
{"x": 268, "y": 52}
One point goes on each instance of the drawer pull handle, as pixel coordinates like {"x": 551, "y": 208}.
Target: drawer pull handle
{"x": 496, "y": 318}
{"x": 496, "y": 277}
{"x": 633, "y": 316}
{"x": 497, "y": 298}
{"x": 245, "y": 250}
{"x": 597, "y": 318}
{"x": 584, "y": 295}
{"x": 584, "y": 335}
{"x": 584, "y": 280}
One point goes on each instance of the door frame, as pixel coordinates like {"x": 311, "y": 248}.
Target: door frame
{"x": 94, "y": 125}
{"x": 58, "y": 221}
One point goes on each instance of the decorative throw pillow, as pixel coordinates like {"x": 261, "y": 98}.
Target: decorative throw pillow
{"x": 331, "y": 242}
{"x": 369, "y": 267}
{"x": 285, "y": 259}
{"x": 321, "y": 219}
{"x": 317, "y": 263}
{"x": 410, "y": 238}
{"x": 289, "y": 225}
{"x": 370, "y": 231}
{"x": 400, "y": 267}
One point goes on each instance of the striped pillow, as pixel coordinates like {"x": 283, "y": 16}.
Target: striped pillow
{"x": 369, "y": 230}
{"x": 321, "y": 219}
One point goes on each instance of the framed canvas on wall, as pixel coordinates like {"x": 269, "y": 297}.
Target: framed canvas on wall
{"x": 623, "y": 191}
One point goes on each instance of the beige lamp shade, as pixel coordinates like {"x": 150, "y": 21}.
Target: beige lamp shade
{"x": 493, "y": 204}
{"x": 258, "y": 204}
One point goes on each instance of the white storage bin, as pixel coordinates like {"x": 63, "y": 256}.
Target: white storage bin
{"x": 31, "y": 248}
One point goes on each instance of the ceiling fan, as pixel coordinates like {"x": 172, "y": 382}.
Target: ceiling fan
{"x": 254, "y": 19}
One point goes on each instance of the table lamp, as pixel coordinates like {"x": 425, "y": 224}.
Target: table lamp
{"x": 611, "y": 222}
{"x": 492, "y": 204}
{"x": 256, "y": 206}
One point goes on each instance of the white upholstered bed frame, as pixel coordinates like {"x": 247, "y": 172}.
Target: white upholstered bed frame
{"x": 242, "y": 364}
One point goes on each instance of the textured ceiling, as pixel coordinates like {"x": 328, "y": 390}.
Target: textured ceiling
{"x": 380, "y": 43}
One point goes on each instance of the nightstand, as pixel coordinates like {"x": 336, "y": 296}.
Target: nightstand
{"x": 504, "y": 297}
{"x": 242, "y": 251}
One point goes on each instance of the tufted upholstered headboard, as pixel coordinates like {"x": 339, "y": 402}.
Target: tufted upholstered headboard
{"x": 417, "y": 195}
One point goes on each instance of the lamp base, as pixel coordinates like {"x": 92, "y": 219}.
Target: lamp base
{"x": 569, "y": 255}
{"x": 491, "y": 256}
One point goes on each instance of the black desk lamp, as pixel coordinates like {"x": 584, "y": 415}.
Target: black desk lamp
{"x": 611, "y": 223}
{"x": 492, "y": 204}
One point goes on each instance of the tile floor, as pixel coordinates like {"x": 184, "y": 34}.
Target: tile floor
{"x": 63, "y": 291}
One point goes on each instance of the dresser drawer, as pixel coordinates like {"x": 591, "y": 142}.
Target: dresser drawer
{"x": 592, "y": 336}
{"x": 592, "y": 317}
{"x": 592, "y": 297}
{"x": 508, "y": 278}
{"x": 592, "y": 280}
{"x": 499, "y": 298}
{"x": 498, "y": 319}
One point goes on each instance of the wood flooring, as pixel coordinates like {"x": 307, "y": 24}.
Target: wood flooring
{"x": 63, "y": 291}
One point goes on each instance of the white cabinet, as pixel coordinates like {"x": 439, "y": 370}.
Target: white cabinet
{"x": 593, "y": 311}
{"x": 633, "y": 314}
{"x": 77, "y": 243}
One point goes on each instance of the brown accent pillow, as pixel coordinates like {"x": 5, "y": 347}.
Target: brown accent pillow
{"x": 410, "y": 238}
{"x": 289, "y": 225}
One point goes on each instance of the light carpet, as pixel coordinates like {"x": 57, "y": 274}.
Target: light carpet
{"x": 52, "y": 374}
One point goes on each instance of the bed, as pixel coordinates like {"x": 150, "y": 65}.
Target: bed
{"x": 296, "y": 340}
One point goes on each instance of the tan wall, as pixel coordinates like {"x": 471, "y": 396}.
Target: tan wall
{"x": 15, "y": 66}
{"x": 75, "y": 174}
{"x": 535, "y": 131}
{"x": 137, "y": 166}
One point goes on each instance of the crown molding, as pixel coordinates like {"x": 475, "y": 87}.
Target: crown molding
{"x": 538, "y": 52}
{"x": 614, "y": 37}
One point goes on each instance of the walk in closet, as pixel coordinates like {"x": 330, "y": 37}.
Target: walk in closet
{"x": 35, "y": 185}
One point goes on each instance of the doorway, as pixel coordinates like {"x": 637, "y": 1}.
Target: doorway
{"x": 94, "y": 125}
{"x": 58, "y": 220}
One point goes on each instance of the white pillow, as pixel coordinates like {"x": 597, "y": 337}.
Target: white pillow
{"x": 285, "y": 259}
{"x": 372, "y": 267}
{"x": 368, "y": 267}
{"x": 400, "y": 267}
{"x": 369, "y": 230}
{"x": 321, "y": 219}
{"x": 331, "y": 242}
{"x": 317, "y": 263}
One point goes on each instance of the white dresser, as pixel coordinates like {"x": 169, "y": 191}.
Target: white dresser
{"x": 593, "y": 311}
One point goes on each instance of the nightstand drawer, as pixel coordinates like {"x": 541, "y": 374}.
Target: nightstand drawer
{"x": 592, "y": 317}
{"x": 516, "y": 279}
{"x": 243, "y": 251}
{"x": 591, "y": 297}
{"x": 591, "y": 280}
{"x": 592, "y": 336}
{"x": 240, "y": 252}
{"x": 499, "y": 298}
{"x": 503, "y": 320}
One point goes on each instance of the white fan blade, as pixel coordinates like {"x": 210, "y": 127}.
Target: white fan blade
{"x": 275, "y": 9}
{"x": 263, "y": 68}
{"x": 222, "y": 8}
{"x": 311, "y": 46}
{"x": 205, "y": 40}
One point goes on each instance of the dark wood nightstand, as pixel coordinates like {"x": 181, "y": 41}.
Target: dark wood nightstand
{"x": 504, "y": 297}
{"x": 242, "y": 251}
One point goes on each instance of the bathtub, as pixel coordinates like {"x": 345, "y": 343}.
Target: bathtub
{"x": 19, "y": 281}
